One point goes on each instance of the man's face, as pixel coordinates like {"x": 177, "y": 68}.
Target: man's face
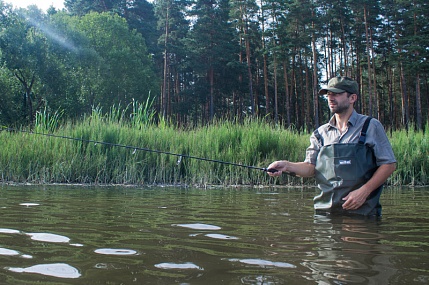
{"x": 339, "y": 102}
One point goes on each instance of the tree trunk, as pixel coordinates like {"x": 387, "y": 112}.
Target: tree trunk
{"x": 164, "y": 83}
{"x": 28, "y": 87}
{"x": 418, "y": 104}
{"x": 211, "y": 79}
{"x": 249, "y": 69}
{"x": 390, "y": 95}
{"x": 276, "y": 106}
{"x": 315, "y": 79}
{"x": 404, "y": 98}
{"x": 377, "y": 98}
{"x": 368, "y": 53}
{"x": 265, "y": 62}
{"x": 287, "y": 94}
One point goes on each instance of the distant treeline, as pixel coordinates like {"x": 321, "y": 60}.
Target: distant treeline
{"x": 202, "y": 60}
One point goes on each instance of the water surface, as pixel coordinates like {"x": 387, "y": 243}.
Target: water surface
{"x": 172, "y": 235}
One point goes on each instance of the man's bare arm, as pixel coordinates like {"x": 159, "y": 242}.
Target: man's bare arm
{"x": 302, "y": 169}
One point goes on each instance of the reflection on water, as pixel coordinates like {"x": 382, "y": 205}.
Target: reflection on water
{"x": 9, "y": 231}
{"x": 11, "y": 252}
{"x": 115, "y": 251}
{"x": 198, "y": 226}
{"x": 220, "y": 236}
{"x": 60, "y": 270}
{"x": 347, "y": 246}
{"x": 113, "y": 235}
{"x": 263, "y": 263}
{"x": 48, "y": 237}
{"x": 187, "y": 265}
{"x": 29, "y": 204}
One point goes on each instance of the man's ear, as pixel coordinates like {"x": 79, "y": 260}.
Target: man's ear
{"x": 353, "y": 97}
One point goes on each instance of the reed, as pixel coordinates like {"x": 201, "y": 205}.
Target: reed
{"x": 26, "y": 157}
{"x": 412, "y": 152}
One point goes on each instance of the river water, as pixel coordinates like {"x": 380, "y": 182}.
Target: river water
{"x": 172, "y": 235}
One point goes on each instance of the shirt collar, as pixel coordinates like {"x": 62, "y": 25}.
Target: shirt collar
{"x": 352, "y": 120}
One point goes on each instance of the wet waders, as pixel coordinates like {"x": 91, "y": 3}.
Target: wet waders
{"x": 342, "y": 168}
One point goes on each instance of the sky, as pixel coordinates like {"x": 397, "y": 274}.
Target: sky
{"x": 42, "y": 4}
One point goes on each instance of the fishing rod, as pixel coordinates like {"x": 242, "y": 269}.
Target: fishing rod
{"x": 135, "y": 148}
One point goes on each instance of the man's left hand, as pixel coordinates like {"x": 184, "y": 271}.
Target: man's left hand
{"x": 354, "y": 200}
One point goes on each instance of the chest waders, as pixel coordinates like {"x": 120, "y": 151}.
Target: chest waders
{"x": 342, "y": 168}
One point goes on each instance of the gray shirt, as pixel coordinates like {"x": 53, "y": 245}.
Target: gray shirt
{"x": 376, "y": 138}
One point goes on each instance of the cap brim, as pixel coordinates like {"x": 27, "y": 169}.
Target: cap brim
{"x": 332, "y": 89}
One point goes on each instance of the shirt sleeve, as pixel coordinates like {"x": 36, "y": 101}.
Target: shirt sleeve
{"x": 313, "y": 150}
{"x": 378, "y": 140}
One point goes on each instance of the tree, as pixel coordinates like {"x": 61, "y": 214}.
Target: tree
{"x": 173, "y": 28}
{"x": 24, "y": 53}
{"x": 212, "y": 47}
{"x": 413, "y": 41}
{"x": 122, "y": 69}
{"x": 138, "y": 13}
{"x": 245, "y": 13}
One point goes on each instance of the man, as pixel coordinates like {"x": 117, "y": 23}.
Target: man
{"x": 350, "y": 156}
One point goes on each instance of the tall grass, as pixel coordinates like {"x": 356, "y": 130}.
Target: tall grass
{"x": 36, "y": 158}
{"x": 412, "y": 153}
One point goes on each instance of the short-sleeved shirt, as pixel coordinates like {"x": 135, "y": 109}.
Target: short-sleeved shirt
{"x": 376, "y": 138}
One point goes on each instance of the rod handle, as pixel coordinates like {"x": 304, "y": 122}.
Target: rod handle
{"x": 273, "y": 170}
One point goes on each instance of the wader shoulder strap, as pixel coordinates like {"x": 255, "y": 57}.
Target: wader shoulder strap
{"x": 362, "y": 137}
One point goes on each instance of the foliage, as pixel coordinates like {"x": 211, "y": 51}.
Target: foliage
{"x": 216, "y": 59}
{"x": 112, "y": 148}
{"x": 73, "y": 63}
{"x": 109, "y": 148}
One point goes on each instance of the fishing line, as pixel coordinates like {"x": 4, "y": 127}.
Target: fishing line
{"x": 135, "y": 148}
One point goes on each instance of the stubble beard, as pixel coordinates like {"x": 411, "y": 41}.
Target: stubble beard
{"x": 339, "y": 108}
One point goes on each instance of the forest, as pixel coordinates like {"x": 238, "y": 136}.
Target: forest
{"x": 195, "y": 61}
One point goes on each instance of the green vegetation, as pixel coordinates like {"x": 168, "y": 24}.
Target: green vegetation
{"x": 31, "y": 157}
{"x": 35, "y": 158}
{"x": 166, "y": 71}
{"x": 224, "y": 59}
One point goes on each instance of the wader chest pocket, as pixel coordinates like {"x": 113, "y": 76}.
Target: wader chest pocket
{"x": 345, "y": 167}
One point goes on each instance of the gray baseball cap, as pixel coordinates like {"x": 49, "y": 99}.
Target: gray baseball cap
{"x": 340, "y": 84}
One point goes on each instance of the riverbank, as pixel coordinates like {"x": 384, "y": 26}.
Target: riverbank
{"x": 103, "y": 151}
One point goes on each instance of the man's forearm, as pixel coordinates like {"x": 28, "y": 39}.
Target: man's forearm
{"x": 380, "y": 176}
{"x": 302, "y": 169}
